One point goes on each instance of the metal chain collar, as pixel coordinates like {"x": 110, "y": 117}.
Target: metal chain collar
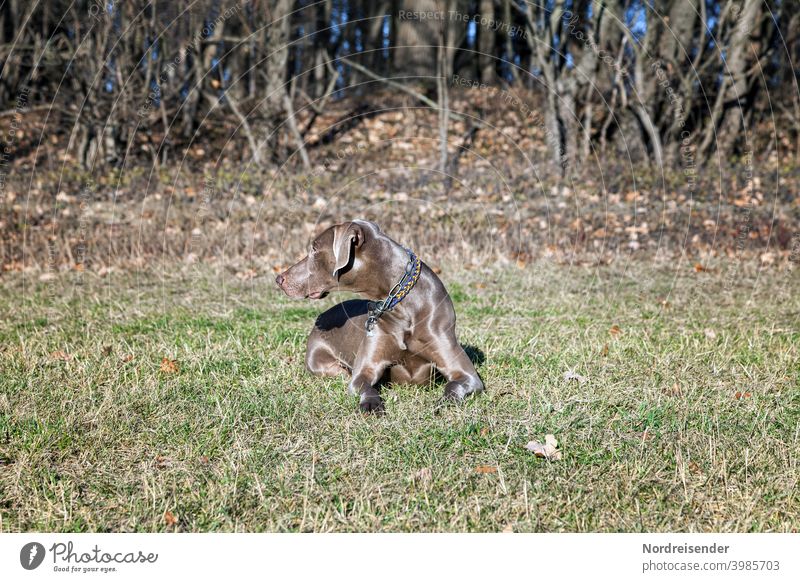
{"x": 396, "y": 295}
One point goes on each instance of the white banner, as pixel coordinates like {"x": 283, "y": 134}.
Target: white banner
{"x": 414, "y": 557}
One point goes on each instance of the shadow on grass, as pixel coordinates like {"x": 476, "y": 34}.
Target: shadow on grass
{"x": 475, "y": 354}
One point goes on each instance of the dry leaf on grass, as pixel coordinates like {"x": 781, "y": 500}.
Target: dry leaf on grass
{"x": 486, "y": 469}
{"x": 61, "y": 355}
{"x": 615, "y": 330}
{"x": 740, "y": 395}
{"x": 169, "y": 366}
{"x": 548, "y": 450}
{"x": 170, "y": 519}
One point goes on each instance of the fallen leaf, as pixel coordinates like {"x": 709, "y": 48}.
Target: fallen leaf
{"x": 615, "y": 330}
{"x": 107, "y": 350}
{"x": 486, "y": 469}
{"x": 162, "y": 462}
{"x": 698, "y": 268}
{"x": 484, "y": 431}
{"x": 548, "y": 450}
{"x": 674, "y": 390}
{"x": 204, "y": 460}
{"x": 169, "y": 366}
{"x": 61, "y": 355}
{"x": 695, "y": 468}
{"x": 170, "y": 519}
{"x": 573, "y": 375}
{"x": 604, "y": 351}
{"x": 127, "y": 358}
{"x": 12, "y": 266}
{"x": 740, "y": 395}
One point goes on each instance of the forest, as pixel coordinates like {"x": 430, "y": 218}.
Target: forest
{"x": 679, "y": 99}
{"x": 674, "y": 73}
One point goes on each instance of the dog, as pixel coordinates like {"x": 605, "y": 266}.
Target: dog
{"x": 402, "y": 332}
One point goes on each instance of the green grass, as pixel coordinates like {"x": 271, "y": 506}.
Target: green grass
{"x": 241, "y": 438}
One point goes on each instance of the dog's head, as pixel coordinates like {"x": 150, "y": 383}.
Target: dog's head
{"x": 335, "y": 258}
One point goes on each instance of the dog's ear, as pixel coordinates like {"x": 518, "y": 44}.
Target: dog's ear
{"x": 346, "y": 238}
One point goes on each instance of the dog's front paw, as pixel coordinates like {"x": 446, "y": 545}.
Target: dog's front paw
{"x": 454, "y": 392}
{"x": 371, "y": 403}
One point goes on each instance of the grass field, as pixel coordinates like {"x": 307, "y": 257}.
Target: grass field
{"x": 686, "y": 416}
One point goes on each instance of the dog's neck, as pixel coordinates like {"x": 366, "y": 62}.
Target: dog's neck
{"x": 381, "y": 272}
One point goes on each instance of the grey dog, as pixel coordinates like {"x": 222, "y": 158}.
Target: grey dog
{"x": 404, "y": 329}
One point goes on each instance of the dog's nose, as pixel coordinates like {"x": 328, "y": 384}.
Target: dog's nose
{"x": 279, "y": 280}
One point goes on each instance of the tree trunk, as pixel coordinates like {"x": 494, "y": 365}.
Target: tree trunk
{"x": 417, "y": 38}
{"x": 486, "y": 44}
{"x": 277, "y": 51}
{"x": 747, "y": 33}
